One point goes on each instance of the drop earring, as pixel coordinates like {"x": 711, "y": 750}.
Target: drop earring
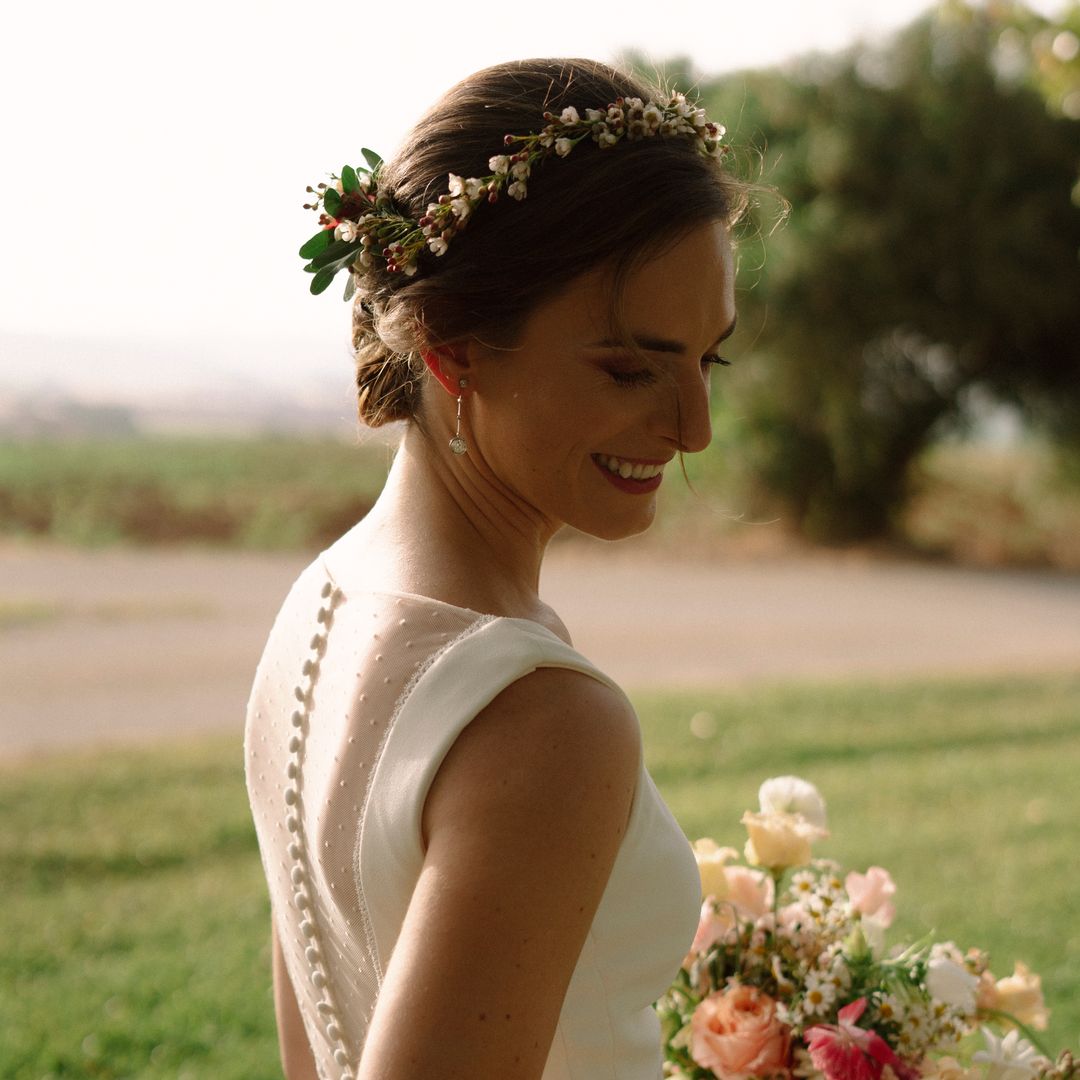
{"x": 457, "y": 443}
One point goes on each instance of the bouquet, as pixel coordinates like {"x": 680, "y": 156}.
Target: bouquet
{"x": 789, "y": 976}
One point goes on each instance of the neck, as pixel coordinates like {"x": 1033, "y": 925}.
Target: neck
{"x": 452, "y": 531}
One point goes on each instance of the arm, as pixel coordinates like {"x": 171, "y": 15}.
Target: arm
{"x": 522, "y": 825}
{"x": 297, "y": 1061}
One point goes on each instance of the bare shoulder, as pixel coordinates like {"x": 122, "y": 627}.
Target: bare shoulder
{"x": 554, "y": 729}
{"x": 523, "y": 823}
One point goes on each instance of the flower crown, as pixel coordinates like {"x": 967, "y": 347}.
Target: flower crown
{"x": 361, "y": 227}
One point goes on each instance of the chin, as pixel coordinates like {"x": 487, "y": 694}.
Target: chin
{"x": 617, "y": 528}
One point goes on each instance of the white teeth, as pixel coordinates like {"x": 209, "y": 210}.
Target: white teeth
{"x": 627, "y": 469}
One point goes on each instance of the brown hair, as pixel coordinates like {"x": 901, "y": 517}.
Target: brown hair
{"x": 593, "y": 207}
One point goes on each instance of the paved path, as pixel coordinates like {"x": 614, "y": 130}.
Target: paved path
{"x": 125, "y": 645}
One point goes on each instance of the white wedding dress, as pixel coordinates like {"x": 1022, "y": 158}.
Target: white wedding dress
{"x": 356, "y": 701}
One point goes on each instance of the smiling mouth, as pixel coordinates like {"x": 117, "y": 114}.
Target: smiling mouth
{"x": 633, "y": 477}
{"x": 626, "y": 469}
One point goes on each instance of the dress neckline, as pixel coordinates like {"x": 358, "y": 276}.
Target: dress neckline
{"x": 421, "y": 598}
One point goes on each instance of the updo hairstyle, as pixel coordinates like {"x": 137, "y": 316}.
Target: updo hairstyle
{"x": 617, "y": 205}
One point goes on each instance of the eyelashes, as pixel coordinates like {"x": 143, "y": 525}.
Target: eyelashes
{"x": 645, "y": 376}
{"x": 641, "y": 377}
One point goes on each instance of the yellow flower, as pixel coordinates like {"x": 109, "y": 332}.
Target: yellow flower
{"x": 1020, "y": 995}
{"x": 779, "y": 840}
{"x": 711, "y": 860}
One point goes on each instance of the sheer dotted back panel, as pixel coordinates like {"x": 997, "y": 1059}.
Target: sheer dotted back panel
{"x": 334, "y": 673}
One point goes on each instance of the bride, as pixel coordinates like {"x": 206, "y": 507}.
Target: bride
{"x": 471, "y": 873}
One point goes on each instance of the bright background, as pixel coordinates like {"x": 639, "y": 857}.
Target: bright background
{"x": 156, "y": 158}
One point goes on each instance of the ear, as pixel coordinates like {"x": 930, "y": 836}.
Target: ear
{"x": 449, "y": 364}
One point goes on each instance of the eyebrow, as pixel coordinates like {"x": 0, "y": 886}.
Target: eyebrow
{"x": 661, "y": 345}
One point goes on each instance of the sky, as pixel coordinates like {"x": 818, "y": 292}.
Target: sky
{"x": 156, "y": 155}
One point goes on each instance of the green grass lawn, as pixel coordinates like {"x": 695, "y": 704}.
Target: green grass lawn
{"x": 135, "y": 922}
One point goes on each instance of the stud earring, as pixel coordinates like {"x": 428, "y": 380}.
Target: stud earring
{"x": 457, "y": 443}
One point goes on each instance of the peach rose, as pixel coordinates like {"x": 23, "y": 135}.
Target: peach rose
{"x": 736, "y": 1033}
{"x": 948, "y": 1068}
{"x": 1019, "y": 994}
{"x": 871, "y": 894}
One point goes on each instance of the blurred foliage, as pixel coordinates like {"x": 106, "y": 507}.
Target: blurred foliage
{"x": 1005, "y": 507}
{"x": 931, "y": 249}
{"x": 992, "y": 507}
{"x": 270, "y": 493}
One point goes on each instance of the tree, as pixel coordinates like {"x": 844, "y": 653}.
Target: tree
{"x": 932, "y": 247}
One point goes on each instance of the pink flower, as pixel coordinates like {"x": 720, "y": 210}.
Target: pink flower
{"x": 846, "y": 1051}
{"x": 746, "y": 894}
{"x": 713, "y": 926}
{"x": 751, "y": 891}
{"x": 871, "y": 894}
{"x": 736, "y": 1033}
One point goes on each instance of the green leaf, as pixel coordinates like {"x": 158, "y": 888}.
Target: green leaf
{"x": 323, "y": 278}
{"x": 350, "y": 287}
{"x": 349, "y": 180}
{"x": 331, "y": 268}
{"x": 373, "y": 159}
{"x": 316, "y": 244}
{"x": 332, "y": 201}
{"x": 335, "y": 251}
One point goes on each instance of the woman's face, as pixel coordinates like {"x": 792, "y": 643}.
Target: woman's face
{"x": 576, "y": 429}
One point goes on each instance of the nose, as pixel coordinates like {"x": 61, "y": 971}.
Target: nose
{"x": 688, "y": 419}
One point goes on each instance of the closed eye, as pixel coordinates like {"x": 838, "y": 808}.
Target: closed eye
{"x": 635, "y": 377}
{"x": 715, "y": 359}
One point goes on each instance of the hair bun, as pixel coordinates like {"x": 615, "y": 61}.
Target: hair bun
{"x": 387, "y": 382}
